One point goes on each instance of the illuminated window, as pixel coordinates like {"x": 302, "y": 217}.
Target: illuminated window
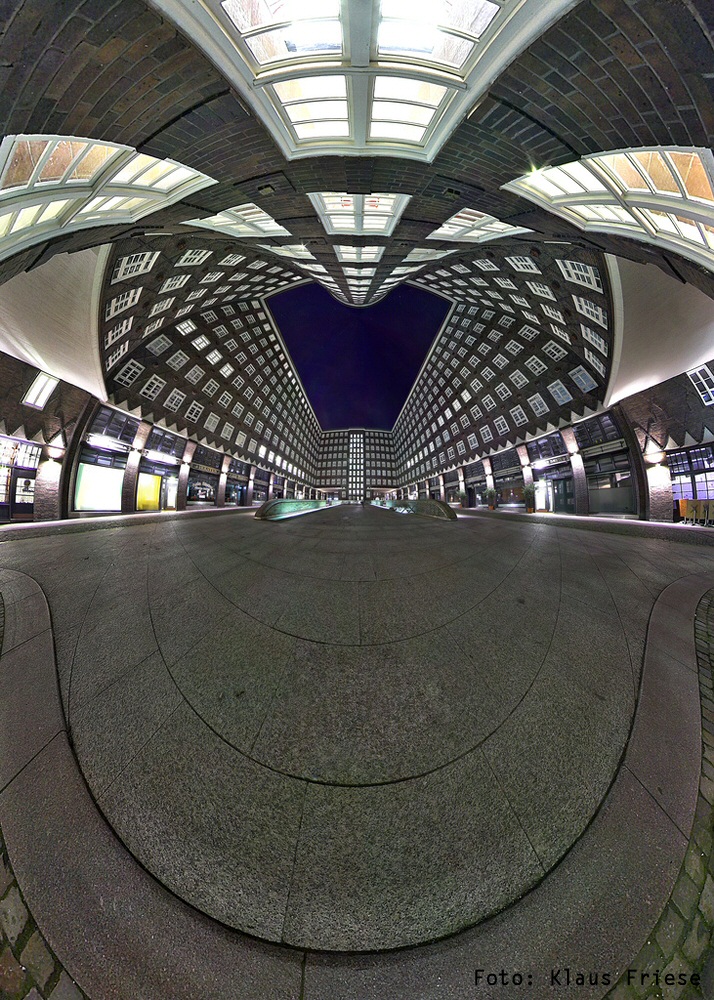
{"x": 200, "y": 342}
{"x": 40, "y": 391}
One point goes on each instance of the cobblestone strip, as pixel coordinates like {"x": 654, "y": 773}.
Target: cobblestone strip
{"x": 682, "y": 939}
{"x": 28, "y": 966}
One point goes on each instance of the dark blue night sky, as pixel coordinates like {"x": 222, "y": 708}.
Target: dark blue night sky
{"x": 357, "y": 365}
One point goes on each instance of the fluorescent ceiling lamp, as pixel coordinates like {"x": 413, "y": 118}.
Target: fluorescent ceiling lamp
{"x": 40, "y": 391}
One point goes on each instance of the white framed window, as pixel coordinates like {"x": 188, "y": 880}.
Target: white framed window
{"x": 518, "y": 378}
{"x": 526, "y": 265}
{"x": 212, "y": 421}
{"x": 182, "y": 311}
{"x": 538, "y": 288}
{"x": 195, "y": 374}
{"x": 185, "y": 327}
{"x": 210, "y": 387}
{"x": 559, "y": 393}
{"x": 554, "y": 351}
{"x": 580, "y": 274}
{"x": 161, "y": 306}
{"x": 133, "y": 264}
{"x": 116, "y": 355}
{"x": 702, "y": 379}
{"x": 225, "y": 399}
{"x": 152, "y": 387}
{"x": 151, "y": 327}
{"x": 486, "y": 434}
{"x": 226, "y": 371}
{"x": 595, "y": 361}
{"x": 535, "y": 365}
{"x": 174, "y": 400}
{"x": 472, "y": 442}
{"x": 489, "y": 402}
{"x": 198, "y": 293}
{"x": 129, "y": 373}
{"x": 194, "y": 411}
{"x": 213, "y": 357}
{"x": 518, "y": 415}
{"x": 171, "y": 284}
{"x": 486, "y": 265}
{"x": 212, "y": 276}
{"x": 227, "y": 431}
{"x": 502, "y": 391}
{"x": 528, "y": 332}
{"x": 177, "y": 360}
{"x": 590, "y": 309}
{"x": 583, "y": 379}
{"x": 237, "y": 410}
{"x": 500, "y": 361}
{"x": 159, "y": 344}
{"x": 125, "y": 300}
{"x": 594, "y": 338}
{"x": 538, "y": 404}
{"x": 513, "y": 347}
{"x": 118, "y": 331}
{"x": 43, "y": 385}
{"x": 552, "y": 313}
{"x": 560, "y": 332}
{"x": 200, "y": 342}
{"x": 192, "y": 258}
{"x": 501, "y": 425}
{"x": 487, "y": 373}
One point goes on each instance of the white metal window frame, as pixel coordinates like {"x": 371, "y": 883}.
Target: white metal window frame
{"x": 56, "y": 184}
{"x": 361, "y": 111}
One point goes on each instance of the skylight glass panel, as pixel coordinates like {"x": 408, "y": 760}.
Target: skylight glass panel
{"x": 296, "y": 251}
{"x": 243, "y": 220}
{"x": 419, "y": 29}
{"x": 359, "y": 254}
{"x": 295, "y": 29}
{"x": 470, "y": 226}
{"x": 359, "y": 213}
{"x": 50, "y": 184}
{"x": 660, "y": 195}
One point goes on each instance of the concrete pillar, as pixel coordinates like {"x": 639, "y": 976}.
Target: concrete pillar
{"x": 490, "y": 482}
{"x": 442, "y": 489}
{"x": 580, "y": 483}
{"x": 47, "y": 506}
{"x": 249, "y": 491}
{"x": 271, "y": 483}
{"x": 184, "y": 470}
{"x": 462, "y": 484}
{"x": 131, "y": 472}
{"x": 223, "y": 482}
{"x": 74, "y": 436}
{"x": 652, "y": 480}
{"x": 526, "y": 469}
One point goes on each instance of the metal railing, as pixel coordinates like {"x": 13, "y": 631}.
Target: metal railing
{"x": 275, "y": 510}
{"x": 425, "y": 508}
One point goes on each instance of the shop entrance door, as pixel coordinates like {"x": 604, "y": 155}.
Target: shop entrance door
{"x": 22, "y": 494}
{"x": 563, "y": 497}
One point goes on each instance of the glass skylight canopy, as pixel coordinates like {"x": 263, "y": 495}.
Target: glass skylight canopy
{"x": 359, "y": 214}
{"x": 389, "y": 77}
{"x": 470, "y": 226}
{"x": 243, "y": 220}
{"x": 662, "y": 195}
{"x": 50, "y": 185}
